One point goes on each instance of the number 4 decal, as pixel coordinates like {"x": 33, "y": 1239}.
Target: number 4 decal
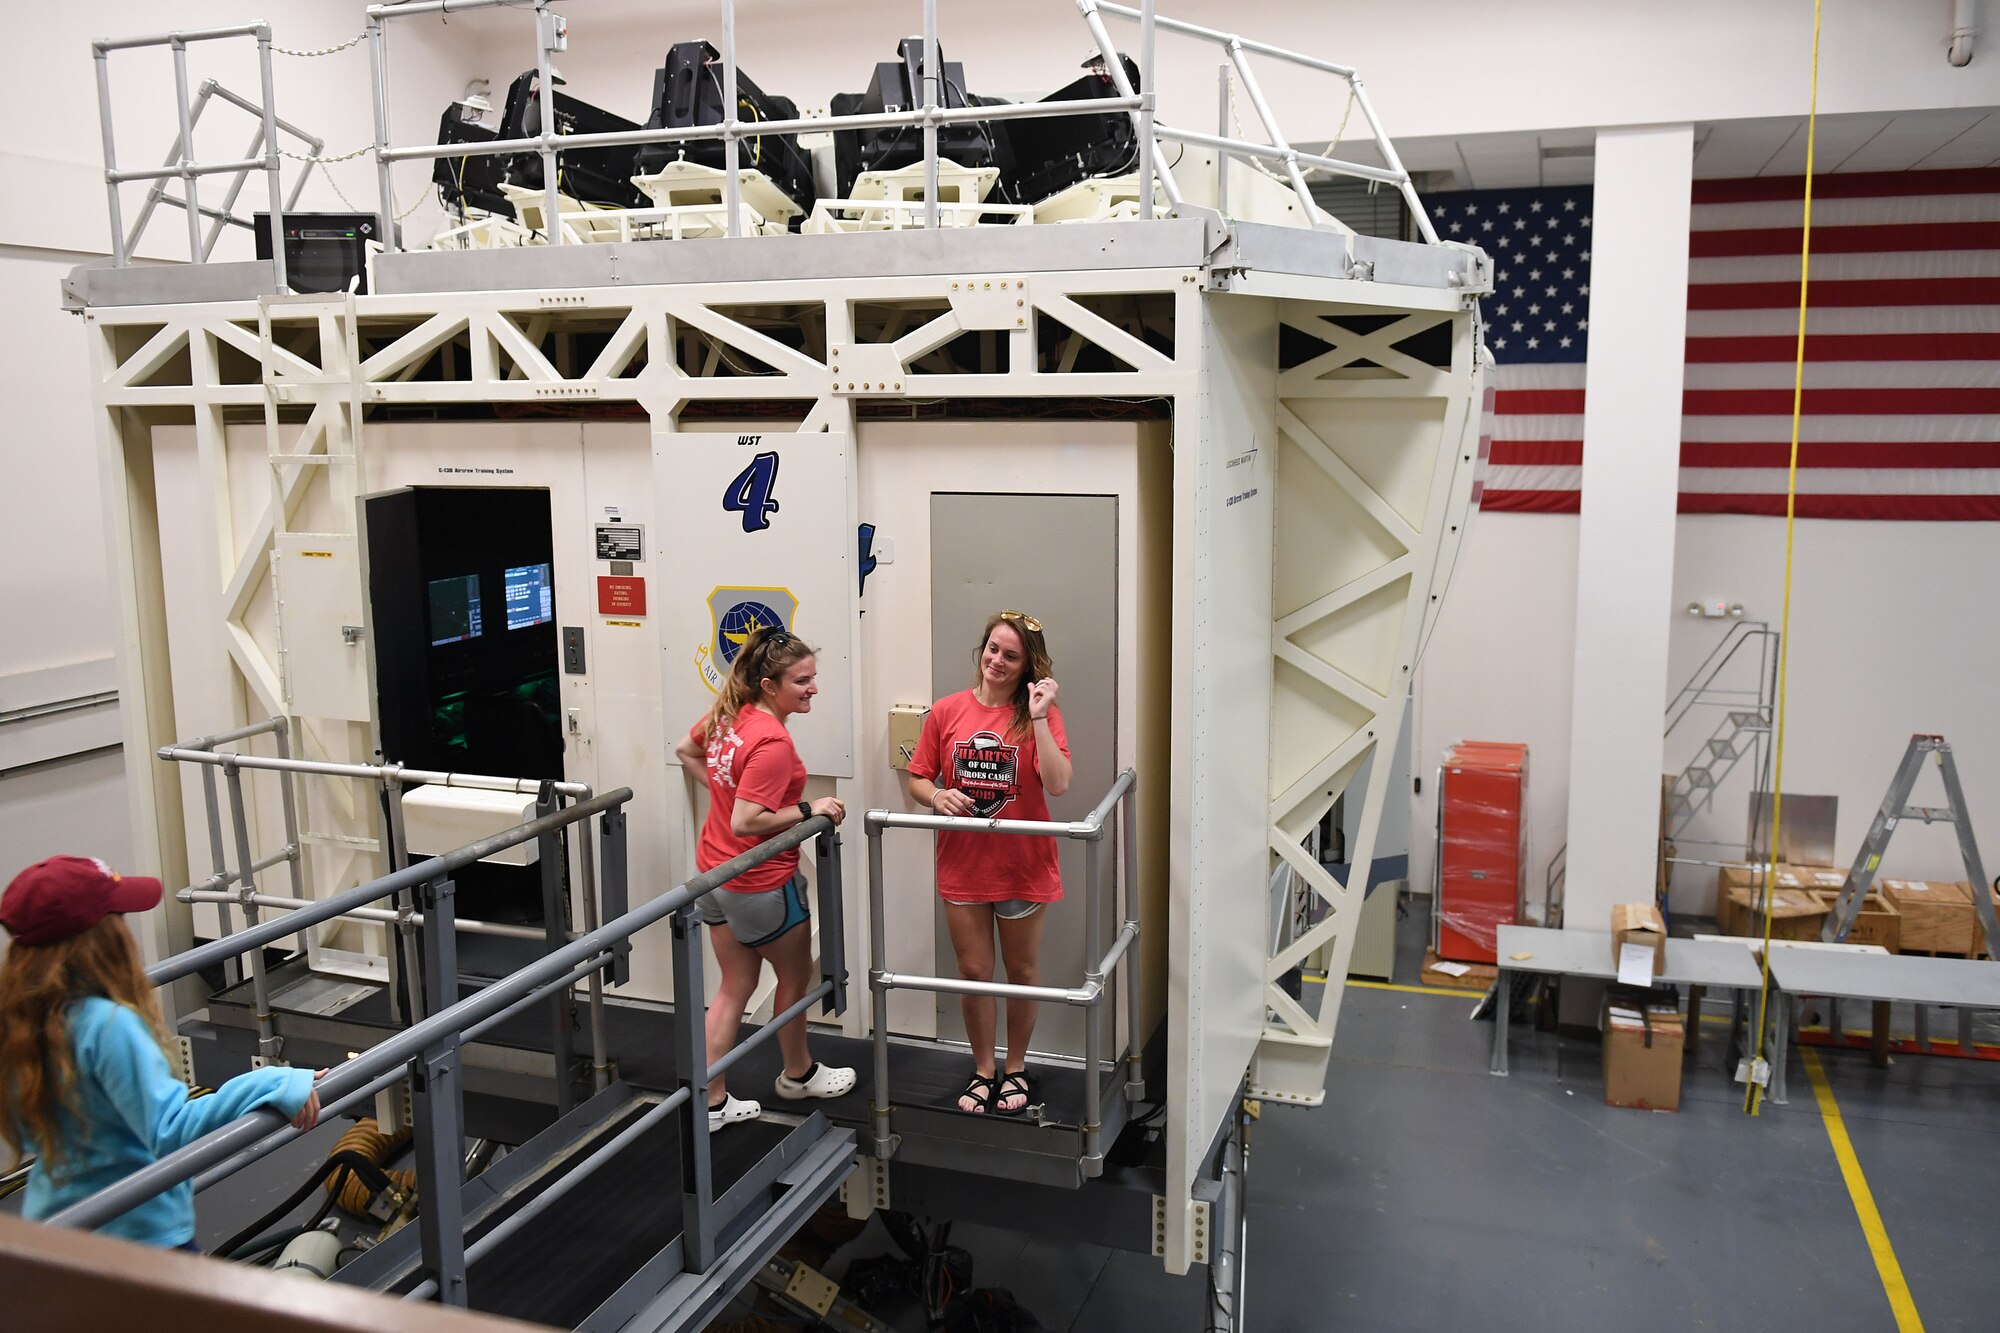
{"x": 750, "y": 493}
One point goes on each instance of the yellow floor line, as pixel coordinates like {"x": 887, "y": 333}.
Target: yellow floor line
{"x": 1890, "y": 1271}
{"x": 1416, "y": 990}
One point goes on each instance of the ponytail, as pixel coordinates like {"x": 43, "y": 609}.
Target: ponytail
{"x": 766, "y": 655}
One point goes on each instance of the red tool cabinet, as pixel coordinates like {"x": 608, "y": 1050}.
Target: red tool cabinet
{"x": 1482, "y": 847}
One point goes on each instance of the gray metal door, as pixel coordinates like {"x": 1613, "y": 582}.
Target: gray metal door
{"x": 1056, "y": 558}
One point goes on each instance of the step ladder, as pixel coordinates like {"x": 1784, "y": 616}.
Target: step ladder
{"x": 1895, "y": 809}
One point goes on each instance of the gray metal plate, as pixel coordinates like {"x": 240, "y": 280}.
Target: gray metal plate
{"x": 1587, "y": 953}
{"x": 1262, "y": 248}
{"x": 171, "y": 284}
{"x": 1161, "y": 243}
{"x": 325, "y": 996}
{"x": 1972, "y": 983}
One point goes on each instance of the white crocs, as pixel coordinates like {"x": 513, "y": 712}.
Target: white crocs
{"x": 822, "y": 1081}
{"x": 734, "y": 1110}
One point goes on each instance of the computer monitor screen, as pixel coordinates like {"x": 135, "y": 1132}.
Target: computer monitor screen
{"x": 454, "y": 609}
{"x": 531, "y": 596}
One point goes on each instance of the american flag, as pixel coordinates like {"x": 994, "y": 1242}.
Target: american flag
{"x": 1901, "y": 414}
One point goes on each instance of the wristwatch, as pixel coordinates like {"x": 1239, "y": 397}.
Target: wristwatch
{"x": 805, "y": 811}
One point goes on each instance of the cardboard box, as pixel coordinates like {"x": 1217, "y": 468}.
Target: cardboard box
{"x": 1640, "y": 924}
{"x": 1937, "y": 915}
{"x": 1878, "y": 922}
{"x": 1796, "y": 914}
{"x": 1642, "y": 1056}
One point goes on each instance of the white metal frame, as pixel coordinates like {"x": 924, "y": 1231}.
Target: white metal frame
{"x": 1307, "y": 561}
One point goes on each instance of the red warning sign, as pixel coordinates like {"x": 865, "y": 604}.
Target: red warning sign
{"x": 621, "y": 595}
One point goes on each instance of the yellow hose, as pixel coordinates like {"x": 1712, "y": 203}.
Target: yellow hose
{"x": 1753, "y": 1096}
{"x": 367, "y": 1140}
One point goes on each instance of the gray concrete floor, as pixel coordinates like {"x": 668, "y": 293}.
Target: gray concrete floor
{"x": 1426, "y": 1194}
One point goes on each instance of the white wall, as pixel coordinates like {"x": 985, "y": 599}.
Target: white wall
{"x": 1498, "y": 668}
{"x": 1434, "y": 72}
{"x": 55, "y": 599}
{"x": 1884, "y": 643}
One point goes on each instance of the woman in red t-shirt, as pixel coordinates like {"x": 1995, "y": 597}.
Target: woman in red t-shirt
{"x": 755, "y": 777}
{"x": 991, "y": 752}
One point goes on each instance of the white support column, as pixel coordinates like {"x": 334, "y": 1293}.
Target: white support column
{"x": 1625, "y": 555}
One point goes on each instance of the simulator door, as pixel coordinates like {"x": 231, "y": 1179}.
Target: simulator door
{"x": 1056, "y": 558}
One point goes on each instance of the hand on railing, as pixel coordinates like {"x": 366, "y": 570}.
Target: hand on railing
{"x": 308, "y": 1115}
{"x": 832, "y": 807}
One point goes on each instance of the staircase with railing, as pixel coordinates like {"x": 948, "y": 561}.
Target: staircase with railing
{"x": 1744, "y": 731}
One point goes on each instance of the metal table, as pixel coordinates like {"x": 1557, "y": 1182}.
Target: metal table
{"x": 1697, "y": 964}
{"x": 1964, "y": 984}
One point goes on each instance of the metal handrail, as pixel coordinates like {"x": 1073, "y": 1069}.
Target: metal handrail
{"x": 429, "y": 1049}
{"x": 730, "y": 131}
{"x": 226, "y": 215}
{"x": 270, "y": 161}
{"x": 205, "y": 751}
{"x": 1090, "y": 830}
{"x": 1704, "y": 675}
{"x": 1137, "y": 102}
{"x": 412, "y": 876}
{"x": 345, "y": 1078}
{"x": 1278, "y": 150}
{"x": 1700, "y": 690}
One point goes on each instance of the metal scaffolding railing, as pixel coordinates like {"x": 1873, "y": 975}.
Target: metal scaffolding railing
{"x": 1238, "y": 50}
{"x": 226, "y": 215}
{"x": 237, "y": 886}
{"x": 430, "y": 1052}
{"x": 1139, "y": 102}
{"x": 268, "y": 160}
{"x": 1091, "y": 832}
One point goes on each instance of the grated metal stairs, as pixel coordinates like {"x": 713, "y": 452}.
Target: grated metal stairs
{"x": 1738, "y": 736}
{"x": 1743, "y": 733}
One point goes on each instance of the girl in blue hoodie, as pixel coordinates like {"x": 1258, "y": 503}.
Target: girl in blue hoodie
{"x": 85, "y": 1087}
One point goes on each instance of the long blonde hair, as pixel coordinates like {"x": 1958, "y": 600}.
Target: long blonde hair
{"x": 38, "y": 983}
{"x": 766, "y": 655}
{"x": 1036, "y": 665}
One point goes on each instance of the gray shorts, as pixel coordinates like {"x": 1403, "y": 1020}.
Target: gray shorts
{"x": 1007, "y": 909}
{"x": 756, "y": 919}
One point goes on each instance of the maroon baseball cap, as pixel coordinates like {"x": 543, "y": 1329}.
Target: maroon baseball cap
{"x": 66, "y": 895}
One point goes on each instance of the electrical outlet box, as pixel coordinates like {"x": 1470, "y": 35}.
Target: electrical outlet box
{"x": 906, "y": 724}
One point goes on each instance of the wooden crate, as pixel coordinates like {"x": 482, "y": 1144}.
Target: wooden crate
{"x": 1937, "y": 915}
{"x": 1878, "y": 922}
{"x": 1796, "y": 914}
{"x": 1808, "y": 879}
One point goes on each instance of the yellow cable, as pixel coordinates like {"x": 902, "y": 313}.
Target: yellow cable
{"x": 1753, "y": 1099}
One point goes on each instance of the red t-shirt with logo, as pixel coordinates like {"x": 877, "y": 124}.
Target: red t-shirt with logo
{"x": 965, "y": 745}
{"x": 751, "y": 759}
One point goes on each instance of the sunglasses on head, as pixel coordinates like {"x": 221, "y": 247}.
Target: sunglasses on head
{"x": 776, "y": 639}
{"x": 1027, "y": 621}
